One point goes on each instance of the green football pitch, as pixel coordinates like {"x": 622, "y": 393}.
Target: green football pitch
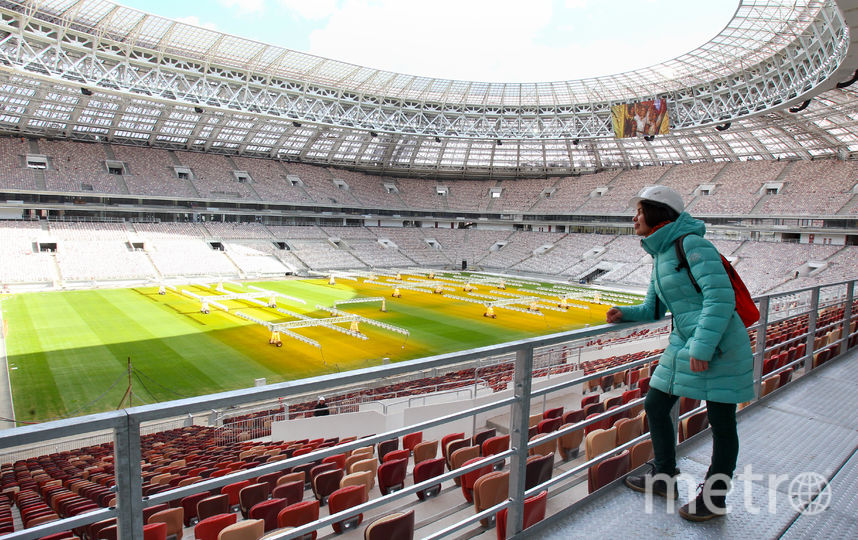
{"x": 68, "y": 351}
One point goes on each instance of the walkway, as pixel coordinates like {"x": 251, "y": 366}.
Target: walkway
{"x": 806, "y": 428}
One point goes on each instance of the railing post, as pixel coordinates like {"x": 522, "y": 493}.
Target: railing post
{"x": 847, "y": 317}
{"x": 129, "y": 479}
{"x": 812, "y": 315}
{"x": 518, "y": 429}
{"x": 760, "y": 346}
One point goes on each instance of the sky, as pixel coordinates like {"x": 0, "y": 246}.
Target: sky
{"x": 475, "y": 40}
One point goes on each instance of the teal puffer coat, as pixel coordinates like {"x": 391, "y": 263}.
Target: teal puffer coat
{"x": 705, "y": 325}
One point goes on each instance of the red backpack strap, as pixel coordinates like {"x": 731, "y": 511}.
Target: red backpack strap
{"x": 683, "y": 261}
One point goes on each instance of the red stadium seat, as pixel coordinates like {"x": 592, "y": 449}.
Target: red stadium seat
{"x": 268, "y": 511}
{"x": 343, "y": 499}
{"x": 469, "y": 478}
{"x": 425, "y": 470}
{"x": 391, "y": 475}
{"x": 209, "y": 528}
{"x": 534, "y": 512}
{"x": 293, "y": 492}
{"x": 299, "y": 514}
{"x": 410, "y": 440}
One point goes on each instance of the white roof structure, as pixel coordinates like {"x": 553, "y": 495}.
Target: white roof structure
{"x": 94, "y": 70}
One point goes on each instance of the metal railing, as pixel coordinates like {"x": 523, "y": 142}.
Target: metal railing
{"x": 839, "y": 312}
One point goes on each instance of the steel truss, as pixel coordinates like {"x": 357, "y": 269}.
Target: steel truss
{"x": 95, "y": 70}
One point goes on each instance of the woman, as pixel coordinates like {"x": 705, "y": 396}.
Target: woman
{"x": 708, "y": 356}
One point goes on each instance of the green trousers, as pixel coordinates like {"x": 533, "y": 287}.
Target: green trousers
{"x": 722, "y": 420}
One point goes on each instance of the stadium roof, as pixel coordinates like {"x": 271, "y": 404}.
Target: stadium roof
{"x": 94, "y": 70}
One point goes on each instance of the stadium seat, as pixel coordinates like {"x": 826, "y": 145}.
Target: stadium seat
{"x": 232, "y": 490}
{"x": 396, "y": 526}
{"x": 480, "y": 437}
{"x": 299, "y": 514}
{"x": 338, "y": 459}
{"x": 608, "y": 470}
{"x": 293, "y": 492}
{"x": 111, "y": 532}
{"x": 209, "y": 528}
{"x": 573, "y": 417}
{"x": 496, "y": 445}
{"x": 538, "y": 470}
{"x": 693, "y": 424}
{"x": 158, "y": 531}
{"x": 249, "y": 529}
{"x": 460, "y": 456}
{"x": 489, "y": 490}
{"x": 396, "y": 454}
{"x": 544, "y": 448}
{"x": 326, "y": 483}
{"x": 640, "y": 453}
{"x": 319, "y": 469}
{"x": 425, "y": 450}
{"x": 550, "y": 425}
{"x": 446, "y": 439}
{"x": 391, "y": 475}
{"x": 627, "y": 429}
{"x": 267, "y": 511}
{"x": 426, "y": 469}
{"x": 410, "y": 440}
{"x": 613, "y": 402}
{"x": 189, "y": 505}
{"x": 452, "y": 446}
{"x": 343, "y": 499}
{"x": 292, "y": 477}
{"x": 594, "y": 408}
{"x": 588, "y": 400}
{"x": 534, "y": 512}
{"x": 387, "y": 446}
{"x": 214, "y": 505}
{"x": 570, "y": 444}
{"x": 687, "y": 404}
{"x": 361, "y": 478}
{"x": 599, "y": 441}
{"x": 556, "y": 412}
{"x": 370, "y": 465}
{"x": 149, "y": 511}
{"x": 250, "y": 496}
{"x": 174, "y": 518}
{"x": 468, "y": 479}
{"x": 270, "y": 479}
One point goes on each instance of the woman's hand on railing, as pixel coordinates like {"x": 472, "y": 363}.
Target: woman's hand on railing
{"x": 614, "y": 315}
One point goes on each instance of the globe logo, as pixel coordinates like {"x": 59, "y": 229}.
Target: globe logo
{"x": 809, "y": 493}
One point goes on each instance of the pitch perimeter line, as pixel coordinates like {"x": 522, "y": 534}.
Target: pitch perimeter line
{"x": 7, "y": 408}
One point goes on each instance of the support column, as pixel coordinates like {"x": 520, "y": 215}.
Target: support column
{"x": 518, "y": 430}
{"x": 760, "y": 346}
{"x": 847, "y": 317}
{"x": 129, "y": 481}
{"x": 811, "y": 329}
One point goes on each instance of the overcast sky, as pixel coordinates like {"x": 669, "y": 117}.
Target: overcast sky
{"x": 479, "y": 40}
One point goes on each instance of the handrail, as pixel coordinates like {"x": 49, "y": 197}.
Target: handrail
{"x": 126, "y": 424}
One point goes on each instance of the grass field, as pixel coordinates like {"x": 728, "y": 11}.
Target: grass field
{"x": 68, "y": 351}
